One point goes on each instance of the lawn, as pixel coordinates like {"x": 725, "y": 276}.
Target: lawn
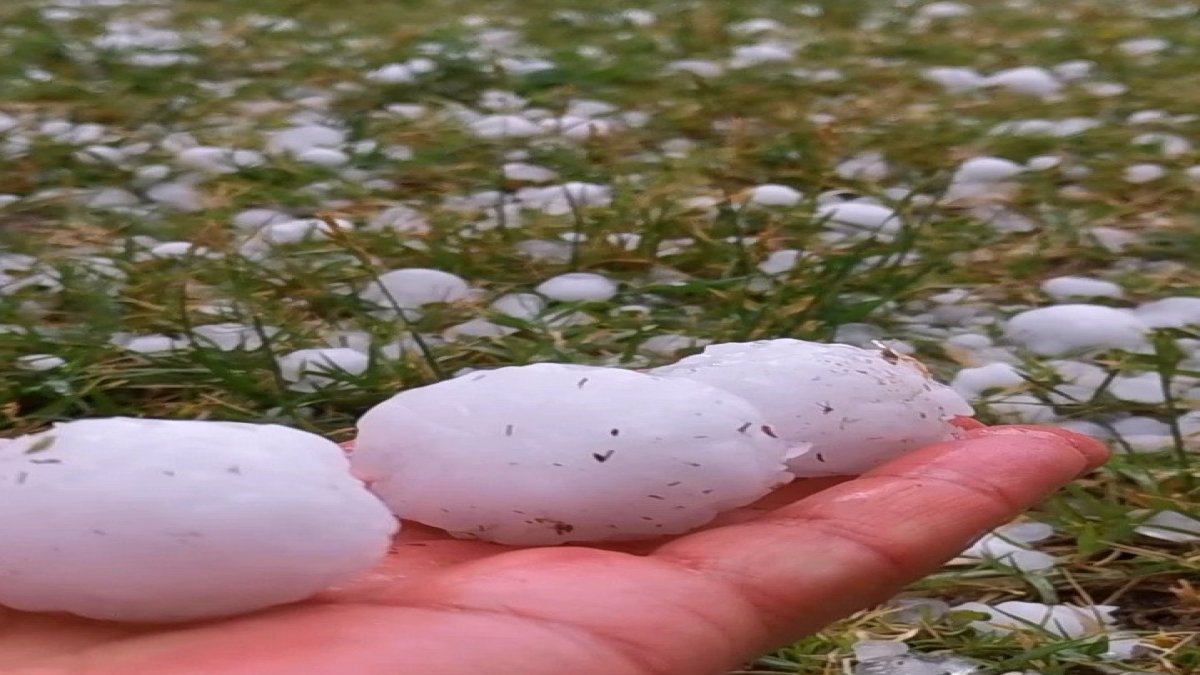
{"x": 193, "y": 191}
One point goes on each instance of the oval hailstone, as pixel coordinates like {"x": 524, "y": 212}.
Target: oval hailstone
{"x": 313, "y": 369}
{"x": 1065, "y": 288}
{"x": 578, "y": 287}
{"x": 1175, "y": 312}
{"x": 162, "y": 520}
{"x": 1028, "y": 80}
{"x": 774, "y": 195}
{"x": 1063, "y": 329}
{"x": 415, "y": 286}
{"x": 858, "y": 408}
{"x": 860, "y": 218}
{"x": 551, "y": 453}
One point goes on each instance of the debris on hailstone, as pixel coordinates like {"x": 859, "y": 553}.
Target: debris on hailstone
{"x": 1064, "y": 329}
{"x": 160, "y": 520}
{"x": 551, "y": 453}
{"x": 857, "y": 408}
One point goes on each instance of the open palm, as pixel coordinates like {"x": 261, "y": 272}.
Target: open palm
{"x": 700, "y": 603}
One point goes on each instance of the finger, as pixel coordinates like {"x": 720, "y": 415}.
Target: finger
{"x": 855, "y": 544}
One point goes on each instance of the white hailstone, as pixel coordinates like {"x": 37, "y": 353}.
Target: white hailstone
{"x": 780, "y": 262}
{"x": 477, "y": 328}
{"x": 866, "y": 650}
{"x": 1076, "y": 69}
{"x": 856, "y": 408}
{"x": 865, "y": 166}
{"x": 944, "y": 10}
{"x": 754, "y": 26}
{"x": 558, "y": 200}
{"x": 1063, "y": 329}
{"x": 149, "y": 344}
{"x": 161, "y": 520}
{"x": 298, "y": 139}
{"x": 954, "y": 79}
{"x": 1170, "y": 526}
{"x": 1105, "y": 89}
{"x": 327, "y": 157}
{"x": 1176, "y": 312}
{"x": 1028, "y": 80}
{"x": 1142, "y": 388}
{"x": 746, "y": 56}
{"x": 408, "y": 111}
{"x": 393, "y": 73}
{"x": 578, "y": 286}
{"x": 578, "y": 128}
{"x": 523, "y": 65}
{"x": 1065, "y": 621}
{"x": 983, "y": 178}
{"x": 920, "y": 664}
{"x": 670, "y": 345}
{"x": 293, "y": 232}
{"x": 178, "y": 196}
{"x": 773, "y": 195}
{"x": 1143, "y": 46}
{"x": 531, "y": 173}
{"x": 112, "y": 198}
{"x": 1065, "y": 288}
{"x": 40, "y": 362}
{"x": 860, "y": 218}
{"x": 1192, "y": 173}
{"x": 505, "y": 126}
{"x": 589, "y": 108}
{"x": 524, "y": 306}
{"x": 495, "y": 99}
{"x": 552, "y": 453}
{"x": 1043, "y": 162}
{"x": 414, "y": 287}
{"x": 1145, "y": 172}
{"x": 541, "y": 250}
{"x": 217, "y": 160}
{"x": 696, "y": 67}
{"x": 1112, "y": 239}
{"x": 399, "y": 218}
{"x": 974, "y": 382}
{"x": 314, "y": 369}
{"x": 1009, "y": 546}
{"x": 639, "y": 17}
{"x": 1170, "y": 145}
{"x": 230, "y": 336}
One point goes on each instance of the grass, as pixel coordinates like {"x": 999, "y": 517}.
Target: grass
{"x": 254, "y": 64}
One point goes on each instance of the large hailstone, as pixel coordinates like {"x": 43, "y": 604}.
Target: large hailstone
{"x": 858, "y": 408}
{"x": 156, "y": 520}
{"x": 551, "y": 453}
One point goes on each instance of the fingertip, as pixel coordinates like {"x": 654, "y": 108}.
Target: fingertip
{"x": 1094, "y": 452}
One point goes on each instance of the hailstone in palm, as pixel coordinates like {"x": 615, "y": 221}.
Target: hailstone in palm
{"x": 851, "y": 408}
{"x": 163, "y": 520}
{"x": 552, "y": 453}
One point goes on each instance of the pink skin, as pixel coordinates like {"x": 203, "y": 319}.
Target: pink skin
{"x": 699, "y": 603}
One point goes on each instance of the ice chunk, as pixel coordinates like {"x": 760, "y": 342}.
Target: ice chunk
{"x": 1170, "y": 526}
{"x": 1175, "y": 312}
{"x": 313, "y": 369}
{"x": 156, "y": 520}
{"x": 774, "y": 195}
{"x": 414, "y": 287}
{"x": 919, "y": 664}
{"x": 578, "y": 286}
{"x": 1065, "y": 288}
{"x": 973, "y": 382}
{"x": 551, "y": 453}
{"x": 856, "y": 407}
{"x": 1065, "y": 621}
{"x": 1028, "y": 80}
{"x": 1064, "y": 329}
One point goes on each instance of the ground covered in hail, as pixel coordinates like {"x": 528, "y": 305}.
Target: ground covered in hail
{"x": 287, "y": 210}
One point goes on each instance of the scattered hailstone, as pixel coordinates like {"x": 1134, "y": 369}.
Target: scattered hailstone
{"x": 524, "y": 306}
{"x": 865, "y": 166}
{"x": 696, "y": 67}
{"x": 954, "y": 79}
{"x": 1064, "y": 329}
{"x": 1170, "y": 526}
{"x": 162, "y": 520}
{"x": 40, "y": 362}
{"x": 1009, "y": 545}
{"x": 578, "y": 286}
{"x": 296, "y": 140}
{"x": 944, "y": 10}
{"x": 774, "y": 195}
{"x": 1065, "y": 288}
{"x": 780, "y": 262}
{"x": 149, "y": 344}
{"x": 670, "y": 345}
{"x": 313, "y": 369}
{"x": 919, "y": 664}
{"x": 854, "y": 408}
{"x": 1175, "y": 312}
{"x": 552, "y": 453}
{"x": 519, "y": 171}
{"x": 974, "y": 382}
{"x": 1065, "y": 621}
{"x": 860, "y": 218}
{"x": 1144, "y": 173}
{"x": 505, "y": 126}
{"x": 984, "y": 178}
{"x": 231, "y": 336}
{"x": 1143, "y": 46}
{"x": 866, "y": 650}
{"x": 399, "y": 218}
{"x": 1027, "y": 80}
{"x": 414, "y": 287}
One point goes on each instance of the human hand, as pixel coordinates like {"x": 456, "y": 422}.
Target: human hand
{"x": 700, "y": 603}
